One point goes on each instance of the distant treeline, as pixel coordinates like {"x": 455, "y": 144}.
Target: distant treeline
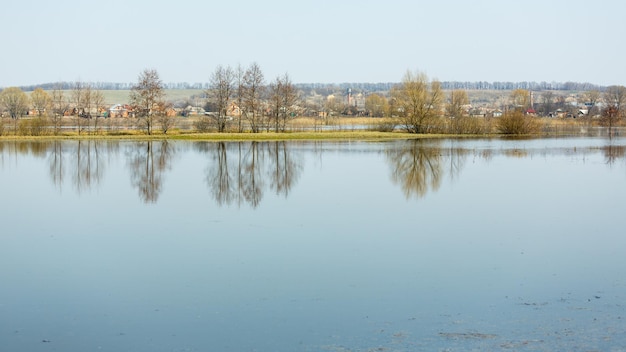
{"x": 362, "y": 87}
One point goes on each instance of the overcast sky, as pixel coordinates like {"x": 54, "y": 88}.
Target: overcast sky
{"x": 314, "y": 41}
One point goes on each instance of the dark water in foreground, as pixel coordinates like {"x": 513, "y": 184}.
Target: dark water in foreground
{"x": 486, "y": 245}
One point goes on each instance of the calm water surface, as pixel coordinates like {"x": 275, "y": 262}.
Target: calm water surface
{"x": 446, "y": 245}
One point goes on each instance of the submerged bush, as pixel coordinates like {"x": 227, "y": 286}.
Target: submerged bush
{"x": 515, "y": 122}
{"x": 32, "y": 127}
{"x": 469, "y": 125}
{"x": 387, "y": 124}
{"x": 435, "y": 124}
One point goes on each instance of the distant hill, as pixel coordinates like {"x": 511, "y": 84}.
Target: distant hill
{"x": 356, "y": 87}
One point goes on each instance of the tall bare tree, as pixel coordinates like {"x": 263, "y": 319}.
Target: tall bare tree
{"x": 146, "y": 96}
{"x": 253, "y": 91}
{"x": 98, "y": 102}
{"x": 283, "y": 97}
{"x": 420, "y": 101}
{"x": 455, "y": 106}
{"x": 78, "y": 101}
{"x": 60, "y": 106}
{"x": 221, "y": 91}
{"x": 457, "y": 114}
{"x": 239, "y": 86}
{"x": 15, "y": 101}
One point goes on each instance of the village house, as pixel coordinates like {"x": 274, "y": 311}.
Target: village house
{"x": 119, "y": 110}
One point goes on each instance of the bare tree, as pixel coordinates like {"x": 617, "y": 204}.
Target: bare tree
{"x": 239, "y": 74}
{"x": 419, "y": 100}
{"x": 145, "y": 97}
{"x": 282, "y": 96}
{"x": 222, "y": 89}
{"x": 253, "y": 90}
{"x": 166, "y": 118}
{"x": 98, "y": 102}
{"x": 40, "y": 100}
{"x": 14, "y": 101}
{"x": 455, "y": 109}
{"x": 610, "y": 117}
{"x": 59, "y": 107}
{"x": 275, "y": 101}
{"x": 455, "y": 106}
{"x": 547, "y": 102}
{"x": 78, "y": 100}
{"x": 616, "y": 96}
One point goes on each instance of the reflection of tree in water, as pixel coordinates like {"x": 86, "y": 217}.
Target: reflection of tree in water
{"x": 456, "y": 158}
{"x": 241, "y": 170}
{"x": 148, "y": 161}
{"x": 86, "y": 166}
{"x": 516, "y": 153}
{"x": 419, "y": 168}
{"x": 612, "y": 153}
{"x": 14, "y": 149}
{"x": 56, "y": 163}
{"x": 221, "y": 178}
{"x": 86, "y": 161}
{"x": 284, "y": 169}
{"x": 251, "y": 162}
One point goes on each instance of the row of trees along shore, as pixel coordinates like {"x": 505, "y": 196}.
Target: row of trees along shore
{"x": 241, "y": 100}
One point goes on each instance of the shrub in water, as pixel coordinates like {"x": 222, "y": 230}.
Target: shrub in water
{"x": 516, "y": 122}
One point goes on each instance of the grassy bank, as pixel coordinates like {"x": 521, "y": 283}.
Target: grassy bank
{"x": 263, "y": 136}
{"x": 297, "y": 129}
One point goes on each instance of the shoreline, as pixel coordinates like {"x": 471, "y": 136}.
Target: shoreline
{"x": 238, "y": 137}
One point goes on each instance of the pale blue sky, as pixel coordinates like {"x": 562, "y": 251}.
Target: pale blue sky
{"x": 314, "y": 41}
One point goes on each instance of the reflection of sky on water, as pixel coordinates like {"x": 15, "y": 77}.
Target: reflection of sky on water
{"x": 345, "y": 247}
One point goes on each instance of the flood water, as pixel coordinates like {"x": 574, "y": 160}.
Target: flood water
{"x": 436, "y": 245}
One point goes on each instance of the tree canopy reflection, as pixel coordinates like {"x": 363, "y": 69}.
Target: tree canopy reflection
{"x": 419, "y": 168}
{"x": 613, "y": 153}
{"x": 148, "y": 162}
{"x": 86, "y": 165}
{"x": 240, "y": 173}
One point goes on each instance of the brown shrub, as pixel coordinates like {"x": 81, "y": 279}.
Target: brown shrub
{"x": 515, "y": 122}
